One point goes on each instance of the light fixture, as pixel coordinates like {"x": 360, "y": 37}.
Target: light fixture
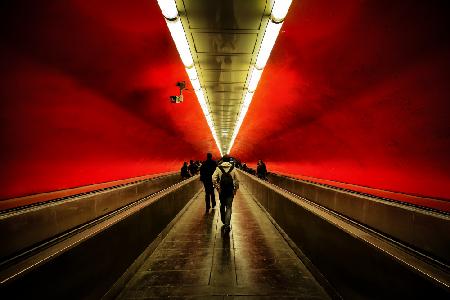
{"x": 196, "y": 84}
{"x": 279, "y": 10}
{"x": 179, "y": 37}
{"x": 247, "y": 98}
{"x": 254, "y": 79}
{"x": 202, "y": 101}
{"x": 170, "y": 12}
{"x": 270, "y": 36}
{"x": 192, "y": 73}
{"x": 193, "y": 76}
{"x": 244, "y": 108}
{"x": 168, "y": 8}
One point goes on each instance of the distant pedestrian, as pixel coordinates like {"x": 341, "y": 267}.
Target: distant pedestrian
{"x": 184, "y": 171}
{"x": 206, "y": 171}
{"x": 261, "y": 170}
{"x": 192, "y": 168}
{"x": 225, "y": 180}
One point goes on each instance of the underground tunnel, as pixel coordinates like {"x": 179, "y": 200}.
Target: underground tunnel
{"x": 346, "y": 103}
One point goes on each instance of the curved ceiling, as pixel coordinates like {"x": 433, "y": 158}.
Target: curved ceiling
{"x": 354, "y": 91}
{"x": 357, "y": 91}
{"x": 85, "y": 89}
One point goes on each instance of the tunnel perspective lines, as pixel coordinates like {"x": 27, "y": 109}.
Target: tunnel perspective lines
{"x": 197, "y": 260}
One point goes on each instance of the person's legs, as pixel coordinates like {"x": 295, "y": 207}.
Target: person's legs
{"x": 222, "y": 210}
{"x": 213, "y": 196}
{"x": 207, "y": 193}
{"x": 228, "y": 211}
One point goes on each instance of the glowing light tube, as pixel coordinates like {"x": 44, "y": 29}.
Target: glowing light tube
{"x": 248, "y": 98}
{"x": 209, "y": 120}
{"x": 270, "y": 36}
{"x": 254, "y": 79}
{"x": 192, "y": 73}
{"x": 244, "y": 108}
{"x": 202, "y": 101}
{"x": 168, "y": 8}
{"x": 196, "y": 84}
{"x": 170, "y": 12}
{"x": 179, "y": 37}
{"x": 280, "y": 9}
{"x": 193, "y": 76}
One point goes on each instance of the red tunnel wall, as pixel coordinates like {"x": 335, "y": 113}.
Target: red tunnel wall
{"x": 358, "y": 92}
{"x": 354, "y": 91}
{"x": 84, "y": 96}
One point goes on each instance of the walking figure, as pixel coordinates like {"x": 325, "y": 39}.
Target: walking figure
{"x": 226, "y": 182}
{"x": 206, "y": 171}
{"x": 261, "y": 170}
{"x": 184, "y": 171}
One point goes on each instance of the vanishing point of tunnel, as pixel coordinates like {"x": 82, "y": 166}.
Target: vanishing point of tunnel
{"x": 225, "y": 149}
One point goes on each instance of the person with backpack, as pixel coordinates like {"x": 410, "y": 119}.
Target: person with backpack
{"x": 225, "y": 180}
{"x": 206, "y": 171}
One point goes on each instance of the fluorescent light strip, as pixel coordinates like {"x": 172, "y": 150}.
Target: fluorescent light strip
{"x": 192, "y": 73}
{"x": 196, "y": 84}
{"x": 279, "y": 11}
{"x": 204, "y": 106}
{"x": 170, "y": 12}
{"x": 168, "y": 8}
{"x": 179, "y": 37}
{"x": 244, "y": 108}
{"x": 193, "y": 76}
{"x": 269, "y": 39}
{"x": 254, "y": 79}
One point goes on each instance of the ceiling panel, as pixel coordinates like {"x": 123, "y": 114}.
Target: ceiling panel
{"x": 224, "y": 62}
{"x": 219, "y": 87}
{"x": 224, "y": 76}
{"x": 224, "y": 14}
{"x": 223, "y": 36}
{"x": 224, "y": 43}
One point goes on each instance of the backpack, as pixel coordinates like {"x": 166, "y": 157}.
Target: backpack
{"x": 226, "y": 182}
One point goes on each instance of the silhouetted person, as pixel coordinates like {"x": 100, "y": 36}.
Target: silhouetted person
{"x": 206, "y": 171}
{"x": 184, "y": 171}
{"x": 192, "y": 168}
{"x": 225, "y": 180}
{"x": 261, "y": 170}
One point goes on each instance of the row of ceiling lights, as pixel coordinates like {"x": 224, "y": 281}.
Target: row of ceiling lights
{"x": 278, "y": 14}
{"x": 170, "y": 12}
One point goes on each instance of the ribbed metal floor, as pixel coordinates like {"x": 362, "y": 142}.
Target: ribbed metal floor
{"x": 196, "y": 260}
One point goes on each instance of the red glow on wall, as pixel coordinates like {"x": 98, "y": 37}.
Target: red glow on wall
{"x": 357, "y": 91}
{"x": 354, "y": 91}
{"x": 85, "y": 96}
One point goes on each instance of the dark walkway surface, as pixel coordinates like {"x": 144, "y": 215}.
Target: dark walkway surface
{"x": 196, "y": 261}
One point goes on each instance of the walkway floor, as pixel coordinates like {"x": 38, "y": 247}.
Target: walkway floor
{"x": 196, "y": 260}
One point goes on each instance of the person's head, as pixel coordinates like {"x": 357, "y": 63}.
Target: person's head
{"x": 226, "y": 158}
{"x": 259, "y": 162}
{"x": 208, "y": 156}
{"x": 191, "y": 161}
{"x": 185, "y": 163}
